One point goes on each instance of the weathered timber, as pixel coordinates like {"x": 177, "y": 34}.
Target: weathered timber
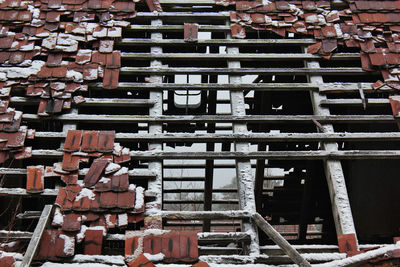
{"x": 281, "y": 155}
{"x": 236, "y": 42}
{"x": 242, "y": 56}
{"x": 218, "y": 118}
{"x": 244, "y": 71}
{"x": 249, "y": 137}
{"x": 340, "y": 202}
{"x": 279, "y": 240}
{"x": 37, "y": 235}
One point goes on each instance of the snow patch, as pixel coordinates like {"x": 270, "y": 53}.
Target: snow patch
{"x": 139, "y": 202}
{"x": 85, "y": 192}
{"x": 154, "y": 257}
{"x": 104, "y": 180}
{"x": 69, "y": 244}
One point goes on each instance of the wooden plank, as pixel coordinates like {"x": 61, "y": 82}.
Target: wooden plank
{"x": 200, "y": 42}
{"x": 281, "y": 155}
{"x": 340, "y": 202}
{"x": 37, "y": 234}
{"x": 156, "y": 95}
{"x": 241, "y": 56}
{"x": 104, "y": 102}
{"x": 244, "y": 174}
{"x": 216, "y": 86}
{"x": 218, "y": 118}
{"x": 244, "y": 71}
{"x": 194, "y": 215}
{"x": 280, "y": 241}
{"x": 231, "y": 137}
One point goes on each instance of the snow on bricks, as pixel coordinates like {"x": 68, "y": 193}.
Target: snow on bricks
{"x": 12, "y": 134}
{"x": 86, "y": 209}
{"x": 371, "y": 26}
{"x": 162, "y": 245}
{"x": 49, "y": 47}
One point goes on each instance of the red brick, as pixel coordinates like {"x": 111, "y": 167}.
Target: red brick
{"x": 47, "y": 247}
{"x": 120, "y": 183}
{"x": 141, "y": 261}
{"x": 348, "y": 244}
{"x": 108, "y": 200}
{"x": 188, "y": 246}
{"x": 395, "y": 104}
{"x": 113, "y": 60}
{"x": 126, "y": 200}
{"x": 131, "y": 242}
{"x": 73, "y": 140}
{"x": 238, "y": 31}
{"x": 70, "y": 179}
{"x": 152, "y": 244}
{"x": 54, "y": 60}
{"x": 103, "y": 186}
{"x": 90, "y": 141}
{"x": 72, "y": 222}
{"x": 7, "y": 261}
{"x": 95, "y": 171}
{"x": 17, "y": 139}
{"x": 110, "y": 79}
{"x": 191, "y": 31}
{"x": 95, "y": 203}
{"x": 65, "y": 249}
{"x": 35, "y": 179}
{"x": 171, "y": 247}
{"x": 106, "y": 141}
{"x": 93, "y": 242}
{"x": 70, "y": 162}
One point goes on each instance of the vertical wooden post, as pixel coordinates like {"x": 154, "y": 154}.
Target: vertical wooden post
{"x": 244, "y": 175}
{"x": 333, "y": 168}
{"x": 155, "y": 185}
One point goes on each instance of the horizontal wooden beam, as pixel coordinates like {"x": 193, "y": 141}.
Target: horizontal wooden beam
{"x": 136, "y": 173}
{"x": 354, "y": 102}
{"x": 250, "y": 137}
{"x": 242, "y": 56}
{"x": 333, "y": 88}
{"x": 168, "y": 28}
{"x": 193, "y": 215}
{"x": 221, "y": 86}
{"x": 244, "y": 71}
{"x": 215, "y": 118}
{"x": 273, "y": 155}
{"x": 222, "y": 42}
{"x": 104, "y": 102}
{"x": 182, "y": 15}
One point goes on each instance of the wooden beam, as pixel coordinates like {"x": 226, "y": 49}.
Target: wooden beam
{"x": 249, "y": 137}
{"x": 104, "y": 102}
{"x": 280, "y": 241}
{"x": 37, "y": 235}
{"x": 205, "y": 42}
{"x": 244, "y": 176}
{"x": 194, "y": 215}
{"x": 217, "y": 86}
{"x": 216, "y": 118}
{"x": 244, "y": 71}
{"x": 340, "y": 202}
{"x": 241, "y": 56}
{"x": 277, "y": 155}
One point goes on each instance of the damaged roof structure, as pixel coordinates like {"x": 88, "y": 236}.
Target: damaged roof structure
{"x": 199, "y": 133}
